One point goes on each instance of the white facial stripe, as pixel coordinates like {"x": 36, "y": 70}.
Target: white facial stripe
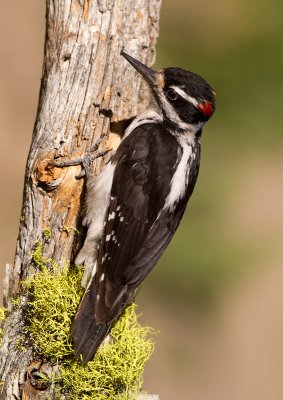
{"x": 173, "y": 116}
{"x": 185, "y": 95}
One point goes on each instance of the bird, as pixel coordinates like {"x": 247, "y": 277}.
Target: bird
{"x": 134, "y": 207}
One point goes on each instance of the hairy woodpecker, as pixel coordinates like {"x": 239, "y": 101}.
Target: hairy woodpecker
{"x": 136, "y": 204}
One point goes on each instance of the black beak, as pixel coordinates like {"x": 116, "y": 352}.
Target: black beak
{"x": 148, "y": 73}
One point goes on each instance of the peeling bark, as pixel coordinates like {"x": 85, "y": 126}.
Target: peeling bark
{"x": 87, "y": 91}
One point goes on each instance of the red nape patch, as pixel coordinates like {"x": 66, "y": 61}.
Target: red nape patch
{"x": 206, "y": 108}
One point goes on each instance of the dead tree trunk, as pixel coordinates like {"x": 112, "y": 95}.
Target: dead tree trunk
{"x": 87, "y": 91}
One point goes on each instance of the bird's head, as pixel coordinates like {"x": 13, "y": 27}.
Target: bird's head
{"x": 185, "y": 98}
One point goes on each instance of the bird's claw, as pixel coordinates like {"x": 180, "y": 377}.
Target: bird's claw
{"x": 85, "y": 161}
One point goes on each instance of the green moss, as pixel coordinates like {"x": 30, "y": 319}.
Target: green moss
{"x": 69, "y": 229}
{"x": 37, "y": 256}
{"x": 20, "y": 344}
{"x": 54, "y": 295}
{"x": 2, "y": 318}
{"x": 2, "y": 314}
{"x": 46, "y": 233}
{"x": 116, "y": 372}
{"x": 16, "y": 302}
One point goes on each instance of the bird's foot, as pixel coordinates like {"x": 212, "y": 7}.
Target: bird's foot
{"x": 85, "y": 161}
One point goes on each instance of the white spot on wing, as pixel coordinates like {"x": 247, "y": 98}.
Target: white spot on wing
{"x": 111, "y": 216}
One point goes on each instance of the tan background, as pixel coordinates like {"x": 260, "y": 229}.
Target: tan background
{"x": 216, "y": 296}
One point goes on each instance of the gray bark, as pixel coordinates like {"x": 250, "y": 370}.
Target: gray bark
{"x": 84, "y": 82}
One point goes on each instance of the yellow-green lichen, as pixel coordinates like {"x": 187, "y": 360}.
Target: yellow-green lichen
{"x": 2, "y": 318}
{"x": 47, "y": 233}
{"x": 20, "y": 344}
{"x": 69, "y": 229}
{"x": 2, "y": 314}
{"x": 54, "y": 294}
{"x": 16, "y": 302}
{"x": 116, "y": 372}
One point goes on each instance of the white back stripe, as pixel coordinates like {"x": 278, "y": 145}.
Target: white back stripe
{"x": 180, "y": 178}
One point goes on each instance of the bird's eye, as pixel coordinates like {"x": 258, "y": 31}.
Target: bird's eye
{"x": 171, "y": 94}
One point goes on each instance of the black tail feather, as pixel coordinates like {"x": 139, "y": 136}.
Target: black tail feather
{"x": 87, "y": 335}
{"x": 88, "y": 347}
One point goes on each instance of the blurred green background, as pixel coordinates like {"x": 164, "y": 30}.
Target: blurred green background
{"x": 216, "y": 295}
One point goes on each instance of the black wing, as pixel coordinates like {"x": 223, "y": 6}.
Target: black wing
{"x": 135, "y": 234}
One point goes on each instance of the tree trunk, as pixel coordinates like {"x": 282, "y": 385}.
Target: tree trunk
{"x": 87, "y": 91}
